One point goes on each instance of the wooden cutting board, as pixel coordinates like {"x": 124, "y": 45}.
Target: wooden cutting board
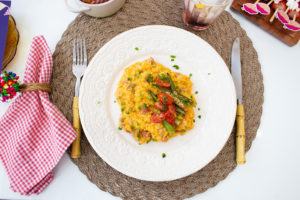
{"x": 275, "y": 28}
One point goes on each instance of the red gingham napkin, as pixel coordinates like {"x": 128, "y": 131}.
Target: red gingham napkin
{"x": 33, "y": 132}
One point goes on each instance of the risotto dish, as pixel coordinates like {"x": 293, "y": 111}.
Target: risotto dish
{"x": 156, "y": 103}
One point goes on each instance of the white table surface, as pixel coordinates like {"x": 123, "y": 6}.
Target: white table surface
{"x": 272, "y": 170}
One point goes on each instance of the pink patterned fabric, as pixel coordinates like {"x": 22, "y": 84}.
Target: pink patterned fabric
{"x": 33, "y": 132}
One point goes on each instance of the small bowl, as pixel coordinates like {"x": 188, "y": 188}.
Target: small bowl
{"x": 12, "y": 40}
{"x": 96, "y": 10}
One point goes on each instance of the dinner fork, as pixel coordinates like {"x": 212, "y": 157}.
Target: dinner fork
{"x": 79, "y": 67}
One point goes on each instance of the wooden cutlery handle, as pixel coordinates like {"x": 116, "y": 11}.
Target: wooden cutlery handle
{"x": 240, "y": 135}
{"x": 76, "y": 125}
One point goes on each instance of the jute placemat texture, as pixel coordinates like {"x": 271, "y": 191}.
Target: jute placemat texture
{"x": 137, "y": 13}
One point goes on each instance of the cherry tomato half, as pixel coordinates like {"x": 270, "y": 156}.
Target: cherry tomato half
{"x": 171, "y": 108}
{"x": 165, "y": 98}
{"x": 169, "y": 117}
{"x": 159, "y": 105}
{"x": 157, "y": 118}
{"x": 163, "y": 83}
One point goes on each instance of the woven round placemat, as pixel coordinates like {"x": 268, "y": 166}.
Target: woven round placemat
{"x": 137, "y": 13}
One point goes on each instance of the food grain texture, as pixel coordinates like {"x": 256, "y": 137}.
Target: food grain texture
{"x": 137, "y": 104}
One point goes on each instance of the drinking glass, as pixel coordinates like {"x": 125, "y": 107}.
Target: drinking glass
{"x": 199, "y": 14}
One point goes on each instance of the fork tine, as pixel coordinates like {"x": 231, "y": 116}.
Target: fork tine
{"x": 74, "y": 52}
{"x": 81, "y": 53}
{"x": 84, "y": 54}
{"x": 77, "y": 53}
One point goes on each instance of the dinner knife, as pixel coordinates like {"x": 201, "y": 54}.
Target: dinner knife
{"x": 236, "y": 72}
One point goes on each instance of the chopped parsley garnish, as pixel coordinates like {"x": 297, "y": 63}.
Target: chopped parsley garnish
{"x": 190, "y": 75}
{"x": 196, "y": 92}
{"x": 194, "y": 120}
{"x": 136, "y": 76}
{"x": 129, "y": 79}
{"x": 199, "y": 116}
{"x": 172, "y": 56}
{"x": 133, "y": 86}
{"x": 138, "y": 131}
{"x": 122, "y": 103}
{"x": 163, "y": 155}
{"x": 120, "y": 128}
{"x": 132, "y": 128}
{"x": 157, "y": 111}
{"x": 149, "y": 78}
{"x": 198, "y": 108}
{"x": 176, "y": 66}
{"x": 144, "y": 105}
{"x": 136, "y": 48}
{"x": 139, "y": 107}
{"x": 122, "y": 109}
{"x": 122, "y": 120}
{"x": 139, "y": 136}
{"x": 137, "y": 124}
{"x": 172, "y": 59}
{"x": 150, "y": 98}
{"x": 140, "y": 71}
{"x": 127, "y": 113}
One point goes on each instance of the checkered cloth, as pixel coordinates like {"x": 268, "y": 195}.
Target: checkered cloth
{"x": 33, "y": 132}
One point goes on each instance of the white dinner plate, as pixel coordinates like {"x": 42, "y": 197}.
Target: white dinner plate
{"x": 184, "y": 154}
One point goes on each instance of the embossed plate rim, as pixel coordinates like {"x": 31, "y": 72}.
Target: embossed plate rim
{"x": 125, "y": 157}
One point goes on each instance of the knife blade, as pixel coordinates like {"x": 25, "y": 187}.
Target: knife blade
{"x": 236, "y": 72}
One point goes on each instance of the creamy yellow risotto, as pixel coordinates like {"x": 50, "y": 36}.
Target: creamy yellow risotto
{"x": 156, "y": 103}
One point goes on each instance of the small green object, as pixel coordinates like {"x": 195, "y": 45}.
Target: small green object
{"x": 122, "y": 103}
{"x": 114, "y": 101}
{"x": 163, "y": 155}
{"x": 198, "y": 108}
{"x": 119, "y": 97}
{"x": 199, "y": 116}
{"x": 120, "y": 128}
{"x": 127, "y": 113}
{"x": 176, "y": 66}
{"x": 169, "y": 127}
{"x": 136, "y": 48}
{"x": 122, "y": 109}
{"x": 138, "y": 131}
{"x": 172, "y": 56}
{"x": 129, "y": 79}
{"x": 194, "y": 120}
{"x": 209, "y": 73}
{"x": 190, "y": 75}
{"x": 196, "y": 92}
{"x": 172, "y": 59}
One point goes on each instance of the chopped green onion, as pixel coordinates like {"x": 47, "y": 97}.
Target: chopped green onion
{"x": 172, "y": 59}
{"x": 139, "y": 107}
{"x": 122, "y": 120}
{"x": 163, "y": 155}
{"x": 140, "y": 71}
{"x": 172, "y": 56}
{"x": 138, "y": 131}
{"x": 144, "y": 105}
{"x": 122, "y": 103}
{"x": 198, "y": 108}
{"x": 194, "y": 120}
{"x": 136, "y": 76}
{"x": 122, "y": 109}
{"x": 119, "y": 97}
{"x": 137, "y": 123}
{"x": 129, "y": 79}
{"x": 196, "y": 92}
{"x": 157, "y": 111}
{"x": 120, "y": 128}
{"x": 176, "y": 66}
{"x": 190, "y": 75}
{"x": 183, "y": 130}
{"x": 199, "y": 116}
{"x": 136, "y": 48}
